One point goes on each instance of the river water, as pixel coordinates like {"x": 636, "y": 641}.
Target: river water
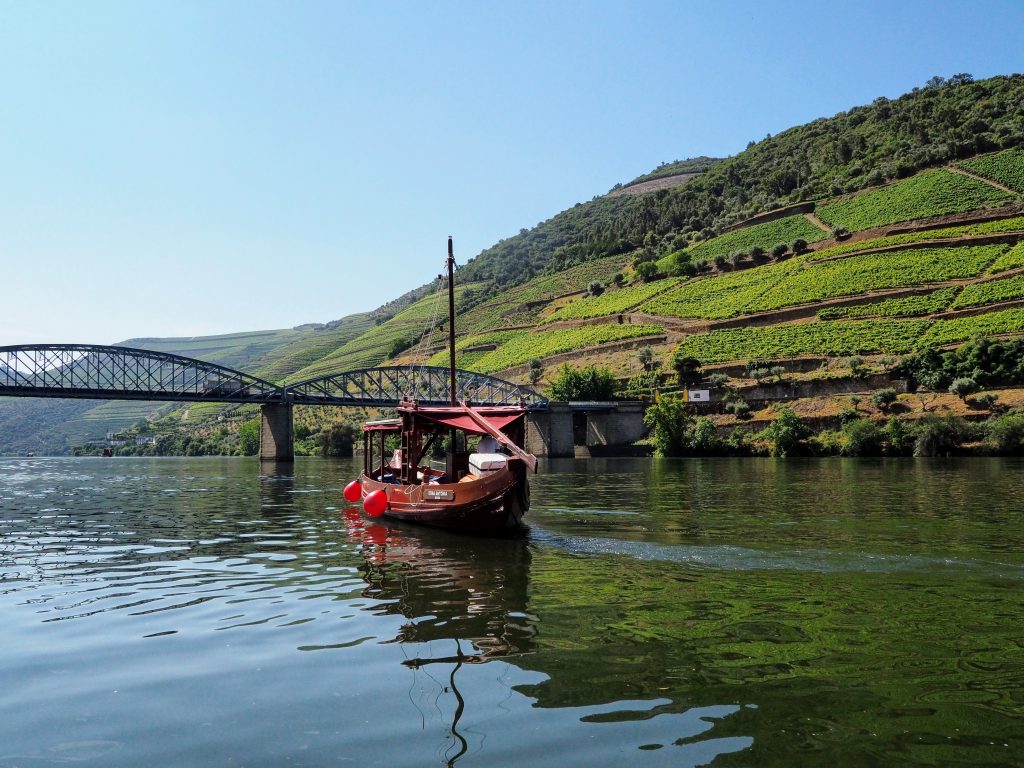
{"x": 728, "y": 612}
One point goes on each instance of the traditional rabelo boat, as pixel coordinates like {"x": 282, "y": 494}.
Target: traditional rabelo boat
{"x": 481, "y": 491}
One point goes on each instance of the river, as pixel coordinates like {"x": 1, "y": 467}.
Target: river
{"x": 727, "y": 612}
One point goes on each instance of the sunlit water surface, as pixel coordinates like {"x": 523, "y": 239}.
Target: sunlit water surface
{"x": 661, "y": 613}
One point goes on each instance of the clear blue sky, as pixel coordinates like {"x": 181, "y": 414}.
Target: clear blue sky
{"x": 187, "y": 168}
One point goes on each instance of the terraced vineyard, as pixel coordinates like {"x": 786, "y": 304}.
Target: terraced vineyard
{"x": 767, "y": 235}
{"x": 802, "y": 281}
{"x": 858, "y": 337}
{"x": 508, "y": 308}
{"x": 904, "y": 306}
{"x": 929, "y": 193}
{"x": 715, "y": 298}
{"x": 611, "y": 302}
{"x": 233, "y": 350}
{"x": 991, "y": 292}
{"x": 280, "y": 364}
{"x": 849, "y": 277}
{"x": 466, "y": 356}
{"x": 512, "y": 325}
{"x": 1012, "y": 259}
{"x": 525, "y": 347}
{"x": 958, "y": 329}
{"x": 999, "y": 226}
{"x": 372, "y": 347}
{"x": 1005, "y": 167}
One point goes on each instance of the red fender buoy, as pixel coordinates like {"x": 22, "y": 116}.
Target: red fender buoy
{"x": 353, "y": 491}
{"x": 375, "y": 503}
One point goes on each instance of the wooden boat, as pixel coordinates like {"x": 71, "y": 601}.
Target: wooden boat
{"x": 479, "y": 491}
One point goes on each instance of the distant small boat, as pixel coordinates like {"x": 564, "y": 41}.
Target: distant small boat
{"x": 485, "y": 491}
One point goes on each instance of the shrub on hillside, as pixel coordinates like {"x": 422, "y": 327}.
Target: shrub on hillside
{"x": 588, "y": 383}
{"x": 788, "y": 433}
{"x": 536, "y": 370}
{"x": 940, "y": 435}
{"x": 669, "y": 420}
{"x": 989, "y": 362}
{"x": 646, "y": 271}
{"x": 863, "y": 438}
{"x": 337, "y": 439}
{"x": 718, "y": 380}
{"x": 687, "y": 369}
{"x": 1005, "y": 434}
{"x": 249, "y": 437}
{"x": 963, "y": 386}
{"x": 883, "y": 399}
{"x": 738, "y": 407}
{"x": 899, "y": 437}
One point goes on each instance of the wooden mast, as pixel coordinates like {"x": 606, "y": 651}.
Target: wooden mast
{"x": 452, "y": 436}
{"x": 451, "y": 321}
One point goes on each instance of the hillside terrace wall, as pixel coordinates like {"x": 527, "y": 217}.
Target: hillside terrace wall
{"x": 957, "y": 219}
{"x": 804, "y": 311}
{"x": 764, "y": 218}
{"x": 759, "y": 395}
{"x": 945, "y": 242}
{"x": 789, "y": 364}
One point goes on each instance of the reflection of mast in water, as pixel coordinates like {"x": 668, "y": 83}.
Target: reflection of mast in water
{"x": 459, "y": 709}
{"x": 450, "y": 588}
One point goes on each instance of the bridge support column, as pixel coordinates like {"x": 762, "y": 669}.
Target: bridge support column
{"x": 276, "y": 439}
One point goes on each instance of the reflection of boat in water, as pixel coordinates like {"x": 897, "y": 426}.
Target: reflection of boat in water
{"x": 470, "y": 590}
{"x": 477, "y": 492}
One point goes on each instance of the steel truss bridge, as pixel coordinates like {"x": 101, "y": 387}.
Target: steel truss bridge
{"x": 123, "y": 373}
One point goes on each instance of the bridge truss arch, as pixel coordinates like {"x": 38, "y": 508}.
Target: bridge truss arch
{"x": 92, "y": 371}
{"x": 95, "y": 371}
{"x": 428, "y": 385}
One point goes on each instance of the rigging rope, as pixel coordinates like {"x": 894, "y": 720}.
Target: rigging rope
{"x": 428, "y": 331}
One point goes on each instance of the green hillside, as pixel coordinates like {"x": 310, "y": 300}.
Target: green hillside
{"x": 886, "y": 294}
{"x": 884, "y": 230}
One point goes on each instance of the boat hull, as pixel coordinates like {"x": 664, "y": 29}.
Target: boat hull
{"x": 492, "y": 504}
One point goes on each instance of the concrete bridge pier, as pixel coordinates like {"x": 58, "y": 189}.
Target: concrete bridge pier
{"x": 584, "y": 428}
{"x": 276, "y": 439}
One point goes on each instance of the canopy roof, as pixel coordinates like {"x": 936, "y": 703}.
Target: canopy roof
{"x": 452, "y": 417}
{"x": 467, "y": 424}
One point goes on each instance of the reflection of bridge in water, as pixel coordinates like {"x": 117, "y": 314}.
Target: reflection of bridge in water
{"x": 97, "y": 372}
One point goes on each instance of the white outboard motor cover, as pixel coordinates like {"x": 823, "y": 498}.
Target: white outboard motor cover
{"x": 482, "y": 463}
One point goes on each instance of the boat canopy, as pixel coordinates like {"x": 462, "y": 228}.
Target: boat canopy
{"x": 452, "y": 417}
{"x": 465, "y": 423}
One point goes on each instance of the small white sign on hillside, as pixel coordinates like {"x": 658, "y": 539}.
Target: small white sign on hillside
{"x": 698, "y": 396}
